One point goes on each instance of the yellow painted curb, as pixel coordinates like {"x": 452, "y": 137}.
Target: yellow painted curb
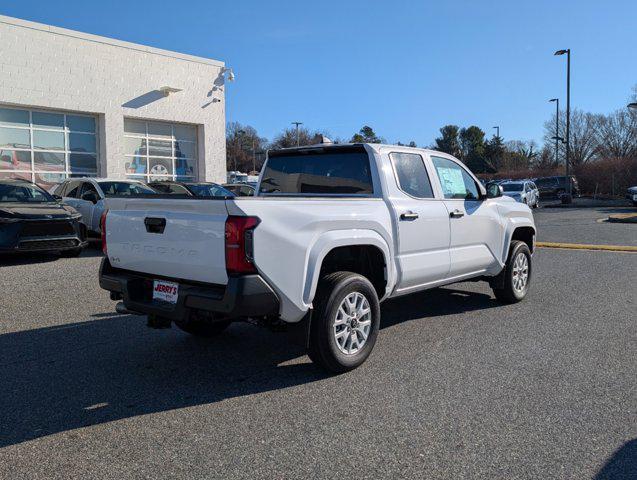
{"x": 582, "y": 246}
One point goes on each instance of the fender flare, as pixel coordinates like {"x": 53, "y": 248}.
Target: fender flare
{"x": 512, "y": 225}
{"x": 328, "y": 241}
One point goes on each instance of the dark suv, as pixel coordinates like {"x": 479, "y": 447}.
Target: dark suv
{"x": 556, "y": 186}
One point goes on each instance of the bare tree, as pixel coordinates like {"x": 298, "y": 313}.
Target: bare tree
{"x": 287, "y": 138}
{"x": 616, "y": 134}
{"x": 244, "y": 148}
{"x": 583, "y": 139}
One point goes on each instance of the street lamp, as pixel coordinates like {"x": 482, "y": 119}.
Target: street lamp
{"x": 297, "y": 131}
{"x": 568, "y": 119}
{"x": 497, "y": 128}
{"x": 236, "y": 147}
{"x": 557, "y": 127}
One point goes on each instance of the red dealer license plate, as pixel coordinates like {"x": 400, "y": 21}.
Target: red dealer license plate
{"x": 165, "y": 291}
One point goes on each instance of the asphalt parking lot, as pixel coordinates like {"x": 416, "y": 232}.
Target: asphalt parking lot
{"x": 458, "y": 386}
{"x": 584, "y": 225}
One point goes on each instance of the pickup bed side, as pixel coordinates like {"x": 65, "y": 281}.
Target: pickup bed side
{"x": 298, "y": 233}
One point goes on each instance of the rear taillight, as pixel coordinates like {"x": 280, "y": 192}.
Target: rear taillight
{"x": 103, "y": 230}
{"x": 239, "y": 244}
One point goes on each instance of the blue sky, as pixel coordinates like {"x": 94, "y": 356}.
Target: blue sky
{"x": 404, "y": 67}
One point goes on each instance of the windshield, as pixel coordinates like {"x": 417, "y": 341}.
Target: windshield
{"x": 512, "y": 187}
{"x": 209, "y": 190}
{"x": 23, "y": 193}
{"x": 124, "y": 188}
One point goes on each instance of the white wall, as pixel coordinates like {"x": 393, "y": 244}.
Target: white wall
{"x": 49, "y": 67}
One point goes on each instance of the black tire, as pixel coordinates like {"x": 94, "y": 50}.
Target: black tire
{"x": 72, "y": 253}
{"x": 510, "y": 294}
{"x": 332, "y": 291}
{"x": 203, "y": 327}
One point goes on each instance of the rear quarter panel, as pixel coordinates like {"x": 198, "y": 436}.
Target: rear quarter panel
{"x": 295, "y": 234}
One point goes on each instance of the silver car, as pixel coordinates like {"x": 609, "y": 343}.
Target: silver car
{"x": 523, "y": 191}
{"x": 89, "y": 196}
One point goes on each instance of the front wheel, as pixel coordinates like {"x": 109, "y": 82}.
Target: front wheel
{"x": 345, "y": 322}
{"x": 517, "y": 274}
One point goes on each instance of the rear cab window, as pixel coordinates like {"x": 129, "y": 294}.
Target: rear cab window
{"x": 318, "y": 171}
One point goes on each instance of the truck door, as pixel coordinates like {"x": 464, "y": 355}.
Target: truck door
{"x": 476, "y": 230}
{"x": 422, "y": 223}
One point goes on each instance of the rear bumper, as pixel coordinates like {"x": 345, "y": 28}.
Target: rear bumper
{"x": 243, "y": 296}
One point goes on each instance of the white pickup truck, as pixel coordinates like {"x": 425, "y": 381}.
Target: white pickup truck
{"x": 332, "y": 231}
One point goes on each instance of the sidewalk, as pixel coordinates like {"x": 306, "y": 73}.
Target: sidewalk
{"x": 587, "y": 202}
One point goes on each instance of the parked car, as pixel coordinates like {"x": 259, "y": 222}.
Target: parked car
{"x": 31, "y": 220}
{"x": 523, "y": 191}
{"x": 193, "y": 189}
{"x": 555, "y": 187}
{"x": 631, "y": 194}
{"x": 89, "y": 197}
{"x": 240, "y": 189}
{"x": 333, "y": 230}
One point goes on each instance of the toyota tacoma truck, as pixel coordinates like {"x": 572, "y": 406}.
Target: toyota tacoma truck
{"x": 332, "y": 231}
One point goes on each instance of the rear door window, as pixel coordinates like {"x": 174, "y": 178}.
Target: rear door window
{"x": 411, "y": 174}
{"x": 318, "y": 171}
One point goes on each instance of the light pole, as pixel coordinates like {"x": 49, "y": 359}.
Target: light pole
{"x": 497, "y": 129}
{"x": 236, "y": 147}
{"x": 568, "y": 119}
{"x": 557, "y": 127}
{"x": 254, "y": 156}
{"x": 297, "y": 131}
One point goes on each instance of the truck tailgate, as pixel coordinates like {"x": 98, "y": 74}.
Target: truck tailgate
{"x": 176, "y": 238}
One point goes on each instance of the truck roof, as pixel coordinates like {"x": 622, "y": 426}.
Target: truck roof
{"x": 374, "y": 146}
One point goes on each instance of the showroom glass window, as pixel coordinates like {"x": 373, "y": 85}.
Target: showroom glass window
{"x": 45, "y": 146}
{"x": 160, "y": 151}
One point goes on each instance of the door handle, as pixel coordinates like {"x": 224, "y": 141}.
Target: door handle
{"x": 155, "y": 225}
{"x": 408, "y": 216}
{"x": 456, "y": 214}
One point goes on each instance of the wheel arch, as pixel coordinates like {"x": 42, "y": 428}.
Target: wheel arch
{"x": 360, "y": 251}
{"x": 524, "y": 232}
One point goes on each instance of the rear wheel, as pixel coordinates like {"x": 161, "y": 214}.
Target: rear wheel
{"x": 345, "y": 322}
{"x": 200, "y": 326}
{"x": 517, "y": 274}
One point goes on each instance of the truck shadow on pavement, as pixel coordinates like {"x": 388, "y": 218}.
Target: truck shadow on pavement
{"x": 622, "y": 464}
{"x": 113, "y": 367}
{"x": 34, "y": 258}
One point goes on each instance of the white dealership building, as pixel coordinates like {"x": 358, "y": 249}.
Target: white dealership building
{"x": 75, "y": 104}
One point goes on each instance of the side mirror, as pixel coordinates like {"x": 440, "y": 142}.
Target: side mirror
{"x": 494, "y": 191}
{"x": 90, "y": 197}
